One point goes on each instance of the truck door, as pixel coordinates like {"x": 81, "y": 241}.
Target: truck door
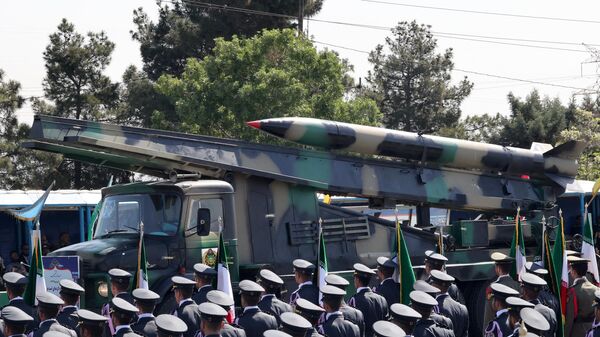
{"x": 202, "y": 249}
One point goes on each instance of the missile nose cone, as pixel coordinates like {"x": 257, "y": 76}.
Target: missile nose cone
{"x": 254, "y": 124}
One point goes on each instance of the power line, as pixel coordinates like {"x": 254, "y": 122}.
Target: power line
{"x": 470, "y": 71}
{"x": 523, "y": 16}
{"x": 458, "y": 36}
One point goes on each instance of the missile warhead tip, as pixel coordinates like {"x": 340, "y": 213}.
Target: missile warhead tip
{"x": 254, "y": 124}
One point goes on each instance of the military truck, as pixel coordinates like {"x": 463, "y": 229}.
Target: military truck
{"x": 263, "y": 199}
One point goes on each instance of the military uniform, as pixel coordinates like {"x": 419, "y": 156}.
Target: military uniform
{"x": 506, "y": 280}
{"x": 387, "y": 329}
{"x": 432, "y": 291}
{"x": 373, "y": 306}
{"x": 534, "y": 322}
{"x": 16, "y": 318}
{"x": 580, "y": 314}
{"x": 437, "y": 261}
{"x": 388, "y": 288}
{"x": 336, "y": 326}
{"x": 207, "y": 274}
{"x": 594, "y": 331}
{"x": 17, "y": 283}
{"x": 312, "y": 313}
{"x": 429, "y": 328}
{"x": 450, "y": 308}
{"x": 351, "y": 314}
{"x": 294, "y": 324}
{"x": 67, "y": 316}
{"x": 123, "y": 311}
{"x": 532, "y": 285}
{"x": 122, "y": 278}
{"x": 423, "y": 304}
{"x": 145, "y": 325}
{"x": 404, "y": 316}
{"x": 90, "y": 321}
{"x": 53, "y": 302}
{"x": 252, "y": 319}
{"x": 187, "y": 309}
{"x": 225, "y": 301}
{"x": 273, "y": 306}
{"x": 212, "y": 313}
{"x": 498, "y": 327}
{"x": 305, "y": 290}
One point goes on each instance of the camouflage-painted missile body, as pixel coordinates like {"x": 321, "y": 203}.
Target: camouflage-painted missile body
{"x": 449, "y": 152}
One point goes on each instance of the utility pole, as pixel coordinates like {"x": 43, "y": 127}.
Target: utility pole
{"x": 300, "y": 17}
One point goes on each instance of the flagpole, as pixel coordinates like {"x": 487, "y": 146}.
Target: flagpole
{"x": 543, "y": 222}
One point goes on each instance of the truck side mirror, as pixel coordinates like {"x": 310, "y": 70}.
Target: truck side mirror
{"x": 203, "y": 222}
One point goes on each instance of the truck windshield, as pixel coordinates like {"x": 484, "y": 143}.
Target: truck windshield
{"x": 160, "y": 214}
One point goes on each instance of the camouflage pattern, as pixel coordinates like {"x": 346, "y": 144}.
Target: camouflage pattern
{"x": 449, "y": 152}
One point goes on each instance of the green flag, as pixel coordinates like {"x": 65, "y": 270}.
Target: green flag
{"x": 517, "y": 249}
{"x": 404, "y": 273}
{"x": 140, "y": 279}
{"x": 35, "y": 283}
{"x": 322, "y": 268}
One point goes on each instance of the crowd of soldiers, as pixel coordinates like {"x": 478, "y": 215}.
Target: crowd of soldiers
{"x": 513, "y": 308}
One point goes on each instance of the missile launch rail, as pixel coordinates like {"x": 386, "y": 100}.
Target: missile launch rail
{"x": 267, "y": 205}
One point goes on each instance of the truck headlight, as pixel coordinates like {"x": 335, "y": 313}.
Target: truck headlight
{"x": 103, "y": 289}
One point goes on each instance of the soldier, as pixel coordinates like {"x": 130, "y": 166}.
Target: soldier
{"x": 387, "y": 329}
{"x": 531, "y": 285}
{"x": 252, "y": 319}
{"x": 15, "y": 287}
{"x": 373, "y": 306}
{"x": 69, "y": 293}
{"x": 432, "y": 291}
{"x": 423, "y": 303}
{"x": 351, "y": 314}
{"x": 546, "y": 297}
{"x": 212, "y": 319}
{"x": 119, "y": 286}
{"x": 204, "y": 276}
{"x": 224, "y": 301}
{"x": 294, "y": 324}
{"x": 187, "y": 309}
{"x": 502, "y": 265}
{"x": 170, "y": 326}
{"x": 122, "y": 313}
{"x": 580, "y": 297}
{"x": 515, "y": 304}
{"x": 335, "y": 325}
{"x": 15, "y": 321}
{"x": 275, "y": 333}
{"x": 303, "y": 271}
{"x": 534, "y": 322}
{"x": 312, "y": 313}
{"x": 145, "y": 301}
{"x": 90, "y": 323}
{"x": 404, "y": 317}
{"x": 447, "y": 306}
{"x": 436, "y": 261}
{"x": 269, "y": 302}
{"x": 595, "y": 330}
{"x": 387, "y": 287}
{"x": 48, "y": 306}
{"x": 498, "y": 327}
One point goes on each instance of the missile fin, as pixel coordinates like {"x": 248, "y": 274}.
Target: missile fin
{"x": 561, "y": 181}
{"x": 570, "y": 150}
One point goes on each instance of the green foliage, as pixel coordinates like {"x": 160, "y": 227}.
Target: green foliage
{"x": 413, "y": 82}
{"x": 586, "y": 128}
{"x": 20, "y": 168}
{"x": 535, "y": 119}
{"x": 479, "y": 128}
{"x": 188, "y": 29}
{"x": 77, "y": 88}
{"x": 272, "y": 74}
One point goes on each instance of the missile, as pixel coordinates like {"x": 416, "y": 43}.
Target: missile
{"x": 554, "y": 163}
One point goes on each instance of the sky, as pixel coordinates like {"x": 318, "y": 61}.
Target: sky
{"x": 26, "y": 25}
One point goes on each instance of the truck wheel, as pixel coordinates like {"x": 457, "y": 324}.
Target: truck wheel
{"x": 167, "y": 305}
{"x": 476, "y": 300}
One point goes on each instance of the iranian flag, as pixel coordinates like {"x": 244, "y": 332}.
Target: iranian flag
{"x": 517, "y": 249}
{"x": 223, "y": 276}
{"x": 561, "y": 271}
{"x": 35, "y": 283}
{"x": 321, "y": 263}
{"x": 403, "y": 274}
{"x": 141, "y": 275}
{"x": 587, "y": 247}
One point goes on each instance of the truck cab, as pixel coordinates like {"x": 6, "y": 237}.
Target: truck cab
{"x": 181, "y": 225}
